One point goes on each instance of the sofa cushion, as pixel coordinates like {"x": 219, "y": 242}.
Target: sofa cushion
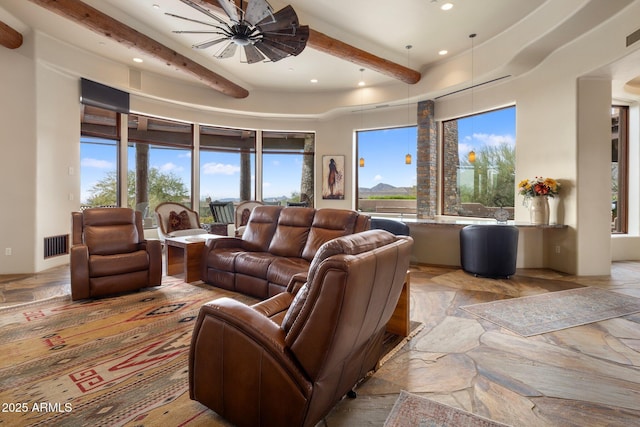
{"x": 111, "y": 265}
{"x": 328, "y": 224}
{"x": 254, "y": 264}
{"x": 222, "y": 259}
{"x": 110, "y": 231}
{"x": 281, "y": 270}
{"x": 261, "y": 227}
{"x": 291, "y": 233}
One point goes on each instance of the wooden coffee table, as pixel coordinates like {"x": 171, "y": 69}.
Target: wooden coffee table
{"x": 184, "y": 255}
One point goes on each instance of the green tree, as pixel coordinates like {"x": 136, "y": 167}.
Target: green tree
{"x": 494, "y": 172}
{"x": 163, "y": 187}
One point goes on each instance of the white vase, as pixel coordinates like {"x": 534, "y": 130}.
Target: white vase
{"x": 553, "y": 210}
{"x": 539, "y": 210}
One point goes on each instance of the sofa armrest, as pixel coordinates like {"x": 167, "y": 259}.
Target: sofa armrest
{"x": 154, "y": 251}
{"x": 296, "y": 282}
{"x": 79, "y": 267}
{"x": 274, "y": 305}
{"x": 228, "y": 334}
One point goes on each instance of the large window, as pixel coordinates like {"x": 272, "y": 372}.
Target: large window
{"x": 387, "y": 170}
{"x": 160, "y": 164}
{"x": 98, "y": 157}
{"x": 287, "y": 167}
{"x": 159, "y": 169}
{"x": 619, "y": 175}
{"x": 478, "y": 159}
{"x": 227, "y": 166}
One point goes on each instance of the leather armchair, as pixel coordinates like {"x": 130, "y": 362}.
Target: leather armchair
{"x": 254, "y": 369}
{"x": 110, "y": 255}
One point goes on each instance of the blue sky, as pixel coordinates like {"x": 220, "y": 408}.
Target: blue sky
{"x": 489, "y": 129}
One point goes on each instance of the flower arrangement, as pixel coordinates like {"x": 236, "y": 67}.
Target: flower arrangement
{"x": 538, "y": 186}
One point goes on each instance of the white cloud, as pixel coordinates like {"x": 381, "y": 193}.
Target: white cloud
{"x": 378, "y": 177}
{"x": 170, "y": 167}
{"x": 266, "y": 184}
{"x": 95, "y": 163}
{"x": 464, "y": 148}
{"x": 494, "y": 140}
{"x": 219, "y": 169}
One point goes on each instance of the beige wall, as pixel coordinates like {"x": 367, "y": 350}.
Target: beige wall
{"x": 560, "y": 126}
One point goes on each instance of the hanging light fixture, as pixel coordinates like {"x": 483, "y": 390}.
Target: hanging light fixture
{"x": 472, "y": 154}
{"x": 407, "y": 158}
{"x": 361, "y": 84}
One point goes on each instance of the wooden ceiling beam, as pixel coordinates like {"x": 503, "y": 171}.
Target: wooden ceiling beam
{"x": 103, "y": 24}
{"x": 9, "y": 37}
{"x": 339, "y": 49}
{"x": 331, "y": 46}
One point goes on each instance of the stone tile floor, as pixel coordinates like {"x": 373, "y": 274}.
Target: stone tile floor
{"x": 583, "y": 376}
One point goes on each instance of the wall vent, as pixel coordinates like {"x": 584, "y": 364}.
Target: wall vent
{"x": 633, "y": 37}
{"x": 56, "y": 245}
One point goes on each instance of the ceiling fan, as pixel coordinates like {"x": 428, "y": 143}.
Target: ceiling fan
{"x": 254, "y": 27}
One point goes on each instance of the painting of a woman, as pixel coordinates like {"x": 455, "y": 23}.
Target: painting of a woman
{"x": 333, "y": 177}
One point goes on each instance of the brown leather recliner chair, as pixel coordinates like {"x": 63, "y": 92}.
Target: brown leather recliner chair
{"x": 256, "y": 372}
{"x": 110, "y": 254}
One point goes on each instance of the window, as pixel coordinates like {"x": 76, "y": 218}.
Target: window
{"x": 619, "y": 176}
{"x": 98, "y": 157}
{"x": 478, "y": 159}
{"x": 287, "y": 167}
{"x": 386, "y": 182}
{"x": 227, "y": 167}
{"x": 159, "y": 169}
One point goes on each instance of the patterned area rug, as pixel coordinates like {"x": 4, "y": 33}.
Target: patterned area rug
{"x": 120, "y": 361}
{"x": 113, "y": 361}
{"x": 413, "y": 410}
{"x": 554, "y": 311}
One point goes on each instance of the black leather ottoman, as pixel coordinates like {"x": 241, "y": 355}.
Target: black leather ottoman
{"x": 489, "y": 250}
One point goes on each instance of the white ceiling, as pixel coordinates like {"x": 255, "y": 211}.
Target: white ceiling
{"x": 382, "y": 28}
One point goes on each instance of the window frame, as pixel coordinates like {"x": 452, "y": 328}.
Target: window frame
{"x": 444, "y": 194}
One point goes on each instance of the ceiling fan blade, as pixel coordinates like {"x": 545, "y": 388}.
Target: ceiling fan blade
{"x": 273, "y": 53}
{"x": 285, "y": 19}
{"x": 228, "y": 51}
{"x": 253, "y": 54}
{"x": 258, "y": 10}
{"x": 292, "y": 44}
{"x": 231, "y": 9}
{"x": 209, "y": 43}
{"x": 203, "y": 10}
{"x": 209, "y": 24}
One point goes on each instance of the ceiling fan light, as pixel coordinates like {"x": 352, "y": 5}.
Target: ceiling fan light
{"x": 240, "y": 40}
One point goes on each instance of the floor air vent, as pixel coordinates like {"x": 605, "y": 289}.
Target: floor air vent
{"x": 56, "y": 245}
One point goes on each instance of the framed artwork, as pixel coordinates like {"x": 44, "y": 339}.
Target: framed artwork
{"x": 333, "y": 177}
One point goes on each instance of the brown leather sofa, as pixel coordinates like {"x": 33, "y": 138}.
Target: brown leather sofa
{"x": 277, "y": 243}
{"x": 254, "y": 371}
{"x": 110, "y": 255}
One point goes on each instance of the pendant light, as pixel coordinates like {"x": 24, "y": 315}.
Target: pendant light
{"x": 361, "y": 84}
{"x": 472, "y": 154}
{"x": 407, "y": 158}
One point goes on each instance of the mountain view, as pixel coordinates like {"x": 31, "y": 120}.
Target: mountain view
{"x": 385, "y": 190}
